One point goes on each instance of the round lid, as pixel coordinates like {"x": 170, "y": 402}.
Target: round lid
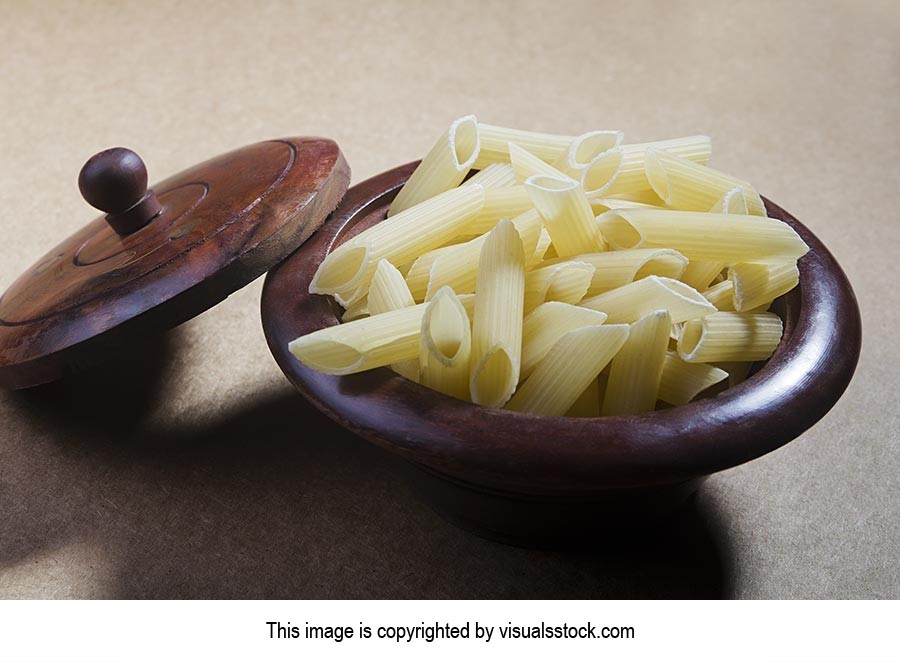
{"x": 162, "y": 256}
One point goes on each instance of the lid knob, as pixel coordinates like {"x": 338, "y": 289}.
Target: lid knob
{"x": 115, "y": 181}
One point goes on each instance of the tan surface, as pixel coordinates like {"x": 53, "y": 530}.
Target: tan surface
{"x": 200, "y": 476}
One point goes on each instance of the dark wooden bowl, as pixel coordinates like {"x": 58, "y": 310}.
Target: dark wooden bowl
{"x": 532, "y": 479}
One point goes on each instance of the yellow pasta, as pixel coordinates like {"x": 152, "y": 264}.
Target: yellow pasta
{"x": 602, "y": 205}
{"x": 566, "y": 213}
{"x": 699, "y": 236}
{"x": 419, "y": 273}
{"x": 496, "y": 175}
{"x": 495, "y": 142}
{"x": 349, "y": 268}
{"x": 445, "y": 346}
{"x": 734, "y": 201}
{"x": 567, "y": 369}
{"x": 601, "y": 174}
{"x": 497, "y": 328}
{"x": 356, "y": 311}
{"x": 632, "y": 178}
{"x": 546, "y": 324}
{"x": 636, "y": 370}
{"x": 388, "y": 292}
{"x": 721, "y": 295}
{"x": 444, "y": 167}
{"x": 759, "y": 284}
{"x": 525, "y": 165}
{"x": 683, "y": 184}
{"x": 613, "y": 269}
{"x": 588, "y": 403}
{"x": 582, "y": 151}
{"x": 730, "y": 337}
{"x": 567, "y": 282}
{"x": 682, "y": 382}
{"x": 631, "y": 302}
{"x": 541, "y": 249}
{"x": 459, "y": 268}
{"x": 500, "y": 203}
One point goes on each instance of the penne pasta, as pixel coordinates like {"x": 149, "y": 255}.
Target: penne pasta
{"x": 633, "y": 301}
{"x": 588, "y": 403}
{"x": 602, "y": 205}
{"x": 445, "y": 346}
{"x": 636, "y": 370}
{"x": 567, "y": 282}
{"x": 419, "y": 273}
{"x": 443, "y": 168}
{"x": 497, "y": 328}
{"x": 568, "y": 368}
{"x": 730, "y": 337}
{"x": 356, "y": 311}
{"x": 541, "y": 249}
{"x": 632, "y": 178}
{"x": 500, "y": 203}
{"x": 682, "y": 382}
{"x": 496, "y": 175}
{"x": 459, "y": 268}
{"x": 759, "y": 284}
{"x": 546, "y": 324}
{"x": 495, "y": 142}
{"x": 613, "y": 269}
{"x": 698, "y": 236}
{"x": 525, "y": 165}
{"x": 601, "y": 174}
{"x": 683, "y": 184}
{"x": 566, "y": 213}
{"x": 584, "y": 149}
{"x": 734, "y": 201}
{"x": 388, "y": 292}
{"x": 701, "y": 274}
{"x": 348, "y": 269}
{"x": 721, "y": 295}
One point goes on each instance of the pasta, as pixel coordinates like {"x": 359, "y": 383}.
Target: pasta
{"x": 734, "y": 201}
{"x": 567, "y": 282}
{"x": 567, "y": 369}
{"x": 546, "y": 324}
{"x": 445, "y": 346}
{"x": 682, "y": 382}
{"x": 495, "y": 142}
{"x": 636, "y": 370}
{"x": 444, "y": 167}
{"x": 496, "y": 175}
{"x": 698, "y": 236}
{"x": 399, "y": 239}
{"x": 613, "y": 269}
{"x": 730, "y": 337}
{"x": 497, "y": 328}
{"x": 389, "y": 292}
{"x": 501, "y": 203}
{"x": 582, "y": 151}
{"x": 525, "y": 165}
{"x": 721, "y": 295}
{"x": 356, "y": 311}
{"x": 755, "y": 285}
{"x": 683, "y": 184}
{"x": 567, "y": 214}
{"x": 631, "y": 302}
{"x": 632, "y": 177}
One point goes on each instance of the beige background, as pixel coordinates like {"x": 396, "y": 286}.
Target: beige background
{"x": 192, "y": 469}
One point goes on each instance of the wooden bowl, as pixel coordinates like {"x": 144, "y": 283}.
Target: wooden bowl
{"x": 535, "y": 480}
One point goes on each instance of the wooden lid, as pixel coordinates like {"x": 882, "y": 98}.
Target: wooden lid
{"x": 161, "y": 257}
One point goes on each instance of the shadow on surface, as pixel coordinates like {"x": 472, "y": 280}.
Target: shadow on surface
{"x": 275, "y": 501}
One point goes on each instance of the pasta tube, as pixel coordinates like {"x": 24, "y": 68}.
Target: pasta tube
{"x": 459, "y": 268}
{"x": 525, "y": 165}
{"x": 682, "y": 382}
{"x": 683, "y": 184}
{"x": 496, "y": 175}
{"x": 497, "y": 328}
{"x": 495, "y": 142}
{"x": 443, "y": 168}
{"x": 567, "y": 214}
{"x": 632, "y": 178}
{"x": 567, "y": 370}
{"x": 419, "y": 273}
{"x": 697, "y": 236}
{"x": 584, "y": 149}
{"x": 601, "y": 174}
{"x": 721, "y": 295}
{"x": 758, "y": 284}
{"x": 389, "y": 292}
{"x": 730, "y": 337}
{"x": 500, "y": 203}
{"x": 445, "y": 346}
{"x": 734, "y": 201}
{"x": 540, "y": 251}
{"x": 399, "y": 239}
{"x": 546, "y": 324}
{"x": 566, "y": 282}
{"x": 356, "y": 311}
{"x": 636, "y": 370}
{"x": 631, "y": 302}
{"x": 613, "y": 269}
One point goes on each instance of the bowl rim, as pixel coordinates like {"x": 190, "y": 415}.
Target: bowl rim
{"x": 541, "y": 455}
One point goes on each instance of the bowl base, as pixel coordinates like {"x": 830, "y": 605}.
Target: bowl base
{"x": 547, "y": 522}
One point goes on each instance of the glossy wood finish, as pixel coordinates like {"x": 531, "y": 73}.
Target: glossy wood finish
{"x": 223, "y": 223}
{"x": 505, "y": 463}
